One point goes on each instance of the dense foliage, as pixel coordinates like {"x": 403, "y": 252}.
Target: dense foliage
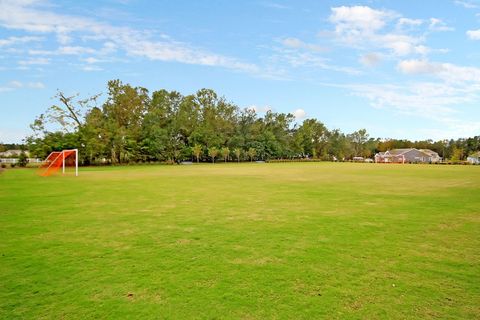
{"x": 132, "y": 126}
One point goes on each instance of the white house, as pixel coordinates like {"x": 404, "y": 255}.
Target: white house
{"x": 410, "y": 155}
{"x": 474, "y": 158}
{"x": 12, "y": 153}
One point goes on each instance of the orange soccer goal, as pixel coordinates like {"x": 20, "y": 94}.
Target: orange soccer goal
{"x": 59, "y": 159}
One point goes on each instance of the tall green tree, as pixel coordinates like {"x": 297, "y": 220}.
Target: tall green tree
{"x": 124, "y": 111}
{"x": 359, "y": 141}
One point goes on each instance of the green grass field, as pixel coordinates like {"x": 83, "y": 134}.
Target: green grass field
{"x": 242, "y": 241}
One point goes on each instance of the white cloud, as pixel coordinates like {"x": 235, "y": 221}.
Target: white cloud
{"x": 423, "y": 50}
{"x": 298, "y": 59}
{"x": 106, "y": 50}
{"x": 275, "y": 5}
{"x": 34, "y": 61}
{"x": 5, "y": 89}
{"x": 64, "y": 38}
{"x": 91, "y": 60}
{"x": 399, "y": 47}
{"x": 299, "y": 44}
{"x": 474, "y": 34}
{"x": 367, "y": 28}
{"x": 16, "y": 40}
{"x": 36, "y": 85}
{"x": 432, "y": 101}
{"x": 436, "y": 101}
{"x": 30, "y": 15}
{"x": 359, "y": 19}
{"x": 407, "y": 22}
{"x": 371, "y": 59}
{"x": 417, "y": 67}
{"x": 439, "y": 25}
{"x": 447, "y": 72}
{"x": 297, "y": 53}
{"x": 15, "y": 84}
{"x": 299, "y": 114}
{"x": 91, "y": 68}
{"x": 75, "y": 50}
{"x": 35, "y": 52}
{"x": 64, "y": 50}
{"x": 467, "y": 4}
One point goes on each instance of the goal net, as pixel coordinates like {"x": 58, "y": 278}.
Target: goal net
{"x": 58, "y": 160}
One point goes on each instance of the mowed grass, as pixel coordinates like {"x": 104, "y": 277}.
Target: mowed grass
{"x": 242, "y": 241}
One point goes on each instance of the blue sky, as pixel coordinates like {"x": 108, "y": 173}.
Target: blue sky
{"x": 400, "y": 69}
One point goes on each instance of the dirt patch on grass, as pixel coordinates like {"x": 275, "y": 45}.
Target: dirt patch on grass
{"x": 256, "y": 261}
{"x": 183, "y": 241}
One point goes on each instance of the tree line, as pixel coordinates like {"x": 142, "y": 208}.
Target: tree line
{"x": 132, "y": 125}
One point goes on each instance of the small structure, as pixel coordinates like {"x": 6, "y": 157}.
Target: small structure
{"x": 432, "y": 156}
{"x": 410, "y": 155}
{"x": 474, "y": 158}
{"x": 13, "y": 153}
{"x": 15, "y": 160}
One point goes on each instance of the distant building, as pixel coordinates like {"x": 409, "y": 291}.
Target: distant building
{"x": 12, "y": 153}
{"x": 410, "y": 155}
{"x": 474, "y": 158}
{"x": 12, "y": 156}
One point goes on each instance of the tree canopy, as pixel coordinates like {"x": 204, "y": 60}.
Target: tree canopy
{"x": 132, "y": 125}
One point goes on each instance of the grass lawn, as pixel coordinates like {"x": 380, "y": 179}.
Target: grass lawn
{"x": 242, "y": 241}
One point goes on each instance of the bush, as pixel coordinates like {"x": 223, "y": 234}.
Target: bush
{"x": 13, "y": 165}
{"x": 170, "y": 162}
{"x": 22, "y": 159}
{"x": 3, "y": 165}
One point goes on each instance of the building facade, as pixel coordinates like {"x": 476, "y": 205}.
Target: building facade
{"x": 410, "y": 155}
{"x": 474, "y": 158}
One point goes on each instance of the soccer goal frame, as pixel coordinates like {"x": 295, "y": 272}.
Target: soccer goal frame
{"x": 57, "y": 159}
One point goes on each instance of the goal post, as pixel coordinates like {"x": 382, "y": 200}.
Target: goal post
{"x": 59, "y": 159}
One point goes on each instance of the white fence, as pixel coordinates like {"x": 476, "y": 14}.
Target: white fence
{"x": 15, "y": 160}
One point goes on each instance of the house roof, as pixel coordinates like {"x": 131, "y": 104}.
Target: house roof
{"x": 397, "y": 152}
{"x": 429, "y": 152}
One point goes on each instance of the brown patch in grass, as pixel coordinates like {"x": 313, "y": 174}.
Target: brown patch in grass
{"x": 256, "y": 261}
{"x": 306, "y": 289}
{"x": 183, "y": 241}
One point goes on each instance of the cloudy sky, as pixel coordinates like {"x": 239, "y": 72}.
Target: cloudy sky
{"x": 400, "y": 69}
